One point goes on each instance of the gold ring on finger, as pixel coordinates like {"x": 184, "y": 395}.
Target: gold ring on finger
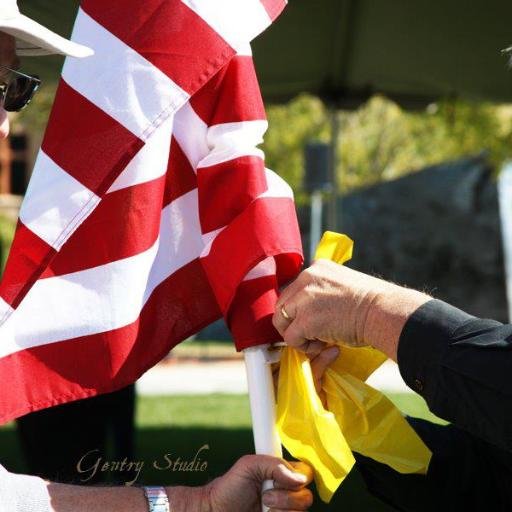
{"x": 285, "y": 314}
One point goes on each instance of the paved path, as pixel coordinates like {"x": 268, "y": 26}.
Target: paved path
{"x": 197, "y": 378}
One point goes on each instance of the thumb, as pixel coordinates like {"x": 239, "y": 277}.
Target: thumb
{"x": 265, "y": 467}
{"x": 292, "y": 476}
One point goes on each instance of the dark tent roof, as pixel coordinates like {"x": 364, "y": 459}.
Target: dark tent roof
{"x": 410, "y": 50}
{"x": 345, "y": 50}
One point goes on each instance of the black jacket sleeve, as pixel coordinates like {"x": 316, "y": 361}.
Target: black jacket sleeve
{"x": 462, "y": 366}
{"x": 464, "y": 474}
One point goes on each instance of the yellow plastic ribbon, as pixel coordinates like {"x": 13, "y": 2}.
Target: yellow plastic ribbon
{"x": 357, "y": 418}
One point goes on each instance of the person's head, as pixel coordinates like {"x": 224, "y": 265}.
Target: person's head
{"x": 21, "y": 36}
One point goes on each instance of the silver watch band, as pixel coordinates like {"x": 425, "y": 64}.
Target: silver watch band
{"x": 157, "y": 499}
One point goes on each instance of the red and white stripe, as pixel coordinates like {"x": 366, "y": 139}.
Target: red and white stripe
{"x": 150, "y": 212}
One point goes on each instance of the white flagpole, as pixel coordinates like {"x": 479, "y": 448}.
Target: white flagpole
{"x": 263, "y": 405}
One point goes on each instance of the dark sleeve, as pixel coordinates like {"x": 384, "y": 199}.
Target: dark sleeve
{"x": 464, "y": 474}
{"x": 462, "y": 366}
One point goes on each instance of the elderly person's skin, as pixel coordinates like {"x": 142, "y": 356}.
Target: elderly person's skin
{"x": 335, "y": 304}
{"x": 7, "y": 58}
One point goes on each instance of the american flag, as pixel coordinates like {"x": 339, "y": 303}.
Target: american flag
{"x": 150, "y": 212}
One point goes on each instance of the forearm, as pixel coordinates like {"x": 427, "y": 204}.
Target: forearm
{"x": 387, "y": 313}
{"x": 73, "y": 498}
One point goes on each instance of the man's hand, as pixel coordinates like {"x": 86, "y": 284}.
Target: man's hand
{"x": 335, "y": 304}
{"x": 321, "y": 356}
{"x": 239, "y": 490}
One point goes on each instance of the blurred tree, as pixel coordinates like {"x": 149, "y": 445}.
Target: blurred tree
{"x": 380, "y": 141}
{"x": 34, "y": 118}
{"x": 291, "y": 126}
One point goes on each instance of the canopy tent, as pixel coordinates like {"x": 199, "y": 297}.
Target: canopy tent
{"x": 412, "y": 51}
{"x": 344, "y": 51}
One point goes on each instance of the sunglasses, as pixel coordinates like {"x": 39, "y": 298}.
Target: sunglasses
{"x": 18, "y": 90}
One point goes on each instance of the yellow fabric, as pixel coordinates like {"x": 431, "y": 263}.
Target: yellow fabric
{"x": 358, "y": 418}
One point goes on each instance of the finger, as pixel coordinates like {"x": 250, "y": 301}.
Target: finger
{"x": 294, "y": 336}
{"x": 279, "y": 499}
{"x": 286, "y": 477}
{"x": 320, "y": 363}
{"x": 313, "y": 348}
{"x": 292, "y": 289}
{"x": 279, "y": 320}
{"x": 303, "y": 469}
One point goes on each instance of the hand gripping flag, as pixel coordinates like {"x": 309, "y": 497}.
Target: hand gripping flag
{"x": 150, "y": 212}
{"x": 356, "y": 417}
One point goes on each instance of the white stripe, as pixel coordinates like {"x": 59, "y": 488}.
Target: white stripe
{"x": 276, "y": 186}
{"x": 55, "y": 202}
{"x": 5, "y": 309}
{"x": 120, "y": 81}
{"x": 108, "y": 296}
{"x": 180, "y": 238}
{"x": 264, "y": 268}
{"x": 208, "y": 239}
{"x": 237, "y": 21}
{"x": 205, "y": 146}
{"x": 190, "y": 132}
{"x": 245, "y": 50}
{"x": 234, "y": 140}
{"x": 150, "y": 162}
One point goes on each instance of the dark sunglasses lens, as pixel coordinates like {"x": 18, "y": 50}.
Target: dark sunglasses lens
{"x": 19, "y": 93}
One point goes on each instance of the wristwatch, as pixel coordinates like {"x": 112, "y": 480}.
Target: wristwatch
{"x": 157, "y": 499}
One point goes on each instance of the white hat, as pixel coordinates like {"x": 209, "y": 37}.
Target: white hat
{"x": 32, "y": 38}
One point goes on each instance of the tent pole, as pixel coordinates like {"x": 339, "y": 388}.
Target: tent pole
{"x": 505, "y": 209}
{"x": 332, "y": 215}
{"x": 315, "y": 232}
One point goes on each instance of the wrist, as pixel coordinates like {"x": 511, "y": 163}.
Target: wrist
{"x": 189, "y": 499}
{"x": 391, "y": 307}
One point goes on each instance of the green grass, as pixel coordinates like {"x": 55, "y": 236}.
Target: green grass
{"x": 413, "y": 405}
{"x": 179, "y": 426}
{"x": 221, "y": 411}
{"x": 232, "y": 411}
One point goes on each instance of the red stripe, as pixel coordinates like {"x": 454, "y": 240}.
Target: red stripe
{"x": 181, "y": 178}
{"x": 86, "y": 142}
{"x": 126, "y": 222}
{"x": 28, "y": 255}
{"x": 267, "y": 227}
{"x": 274, "y": 7}
{"x": 232, "y": 95}
{"x": 168, "y": 34}
{"x": 250, "y": 316}
{"x": 226, "y": 189}
{"x": 52, "y": 374}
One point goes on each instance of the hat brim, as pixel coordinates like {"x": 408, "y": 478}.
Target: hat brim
{"x": 34, "y": 39}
